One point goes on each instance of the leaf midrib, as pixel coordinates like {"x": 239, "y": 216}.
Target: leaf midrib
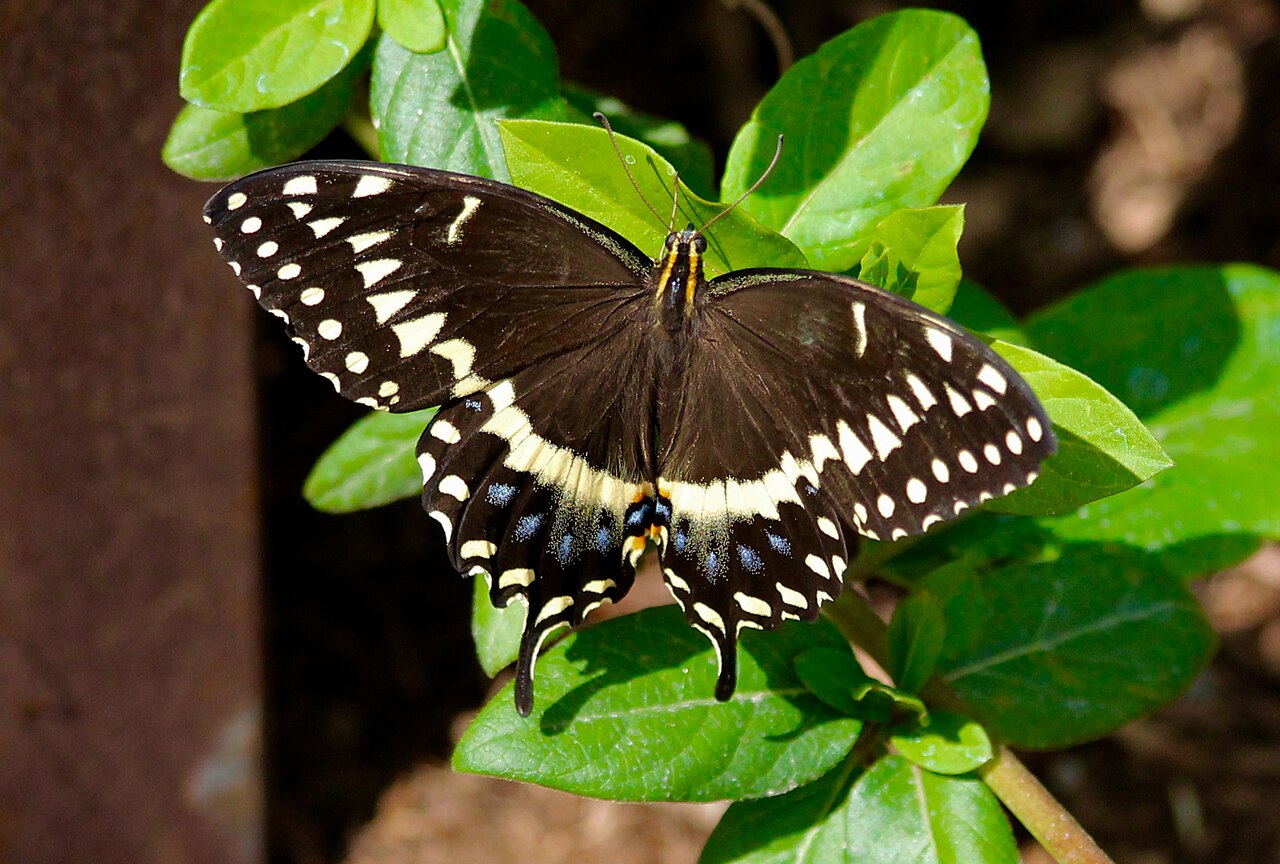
{"x": 1044, "y": 645}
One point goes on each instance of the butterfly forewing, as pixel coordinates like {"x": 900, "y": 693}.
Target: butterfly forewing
{"x": 406, "y": 287}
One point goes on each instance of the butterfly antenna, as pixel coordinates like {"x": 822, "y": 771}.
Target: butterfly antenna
{"x": 613, "y": 139}
{"x": 675, "y": 202}
{"x": 743, "y": 197}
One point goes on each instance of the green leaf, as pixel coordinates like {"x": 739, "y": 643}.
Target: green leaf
{"x": 625, "y": 710}
{"x": 780, "y": 830}
{"x": 913, "y": 253}
{"x": 880, "y": 118}
{"x": 916, "y": 635}
{"x": 1195, "y": 351}
{"x": 691, "y": 157}
{"x": 1076, "y": 646}
{"x": 371, "y": 464}
{"x": 496, "y": 632}
{"x": 215, "y": 145}
{"x": 834, "y": 675}
{"x": 416, "y": 24}
{"x": 894, "y": 812}
{"x": 987, "y": 541}
{"x": 982, "y": 313}
{"x": 943, "y": 743}
{"x": 245, "y": 55}
{"x": 1102, "y": 447}
{"x": 576, "y": 166}
{"x": 440, "y": 110}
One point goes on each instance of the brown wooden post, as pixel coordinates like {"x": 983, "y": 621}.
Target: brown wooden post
{"x": 129, "y": 597}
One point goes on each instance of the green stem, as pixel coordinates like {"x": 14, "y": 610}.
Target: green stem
{"x": 360, "y": 128}
{"x": 1016, "y": 787}
{"x": 1048, "y": 821}
{"x": 858, "y": 623}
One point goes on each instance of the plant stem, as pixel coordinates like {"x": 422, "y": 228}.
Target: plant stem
{"x": 860, "y": 625}
{"x": 1048, "y": 821}
{"x": 772, "y": 25}
{"x": 357, "y": 125}
{"x": 1016, "y": 787}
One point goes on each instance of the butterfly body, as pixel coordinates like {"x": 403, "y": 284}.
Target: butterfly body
{"x": 678, "y": 279}
{"x": 596, "y": 402}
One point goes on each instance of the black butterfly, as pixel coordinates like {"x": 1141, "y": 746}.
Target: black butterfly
{"x": 596, "y": 401}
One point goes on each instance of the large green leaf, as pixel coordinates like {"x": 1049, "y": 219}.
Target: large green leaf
{"x": 440, "y": 110}
{"x": 625, "y": 710}
{"x": 246, "y": 55}
{"x": 1066, "y": 650}
{"x": 1196, "y": 353}
{"x": 576, "y": 165}
{"x": 1102, "y": 448}
{"x": 894, "y": 812}
{"x": 880, "y": 118}
{"x": 371, "y": 464}
{"x": 913, "y": 253}
{"x": 691, "y": 157}
{"x": 215, "y": 145}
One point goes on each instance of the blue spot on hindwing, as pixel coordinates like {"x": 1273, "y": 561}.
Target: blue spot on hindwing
{"x": 663, "y": 509}
{"x": 781, "y": 545}
{"x": 679, "y": 540}
{"x": 474, "y": 404}
{"x": 527, "y": 526}
{"x": 603, "y": 541}
{"x": 565, "y": 550}
{"x": 638, "y": 514}
{"x": 500, "y": 494}
{"x": 750, "y": 559}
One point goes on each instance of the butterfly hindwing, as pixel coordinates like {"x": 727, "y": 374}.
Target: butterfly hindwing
{"x": 541, "y": 519}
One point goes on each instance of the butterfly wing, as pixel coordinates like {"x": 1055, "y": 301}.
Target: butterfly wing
{"x": 541, "y": 479}
{"x": 816, "y": 408}
{"x": 408, "y": 288}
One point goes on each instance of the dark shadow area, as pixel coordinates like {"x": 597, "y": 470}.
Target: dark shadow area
{"x": 368, "y": 649}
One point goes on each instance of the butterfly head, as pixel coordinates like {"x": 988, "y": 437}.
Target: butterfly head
{"x": 687, "y": 240}
{"x": 677, "y": 275}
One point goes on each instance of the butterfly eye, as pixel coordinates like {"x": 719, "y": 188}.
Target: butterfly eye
{"x": 699, "y": 243}
{"x": 673, "y": 240}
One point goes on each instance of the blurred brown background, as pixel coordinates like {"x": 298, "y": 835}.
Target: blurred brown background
{"x": 170, "y": 610}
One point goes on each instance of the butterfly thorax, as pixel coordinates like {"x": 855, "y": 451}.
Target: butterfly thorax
{"x": 677, "y": 277}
